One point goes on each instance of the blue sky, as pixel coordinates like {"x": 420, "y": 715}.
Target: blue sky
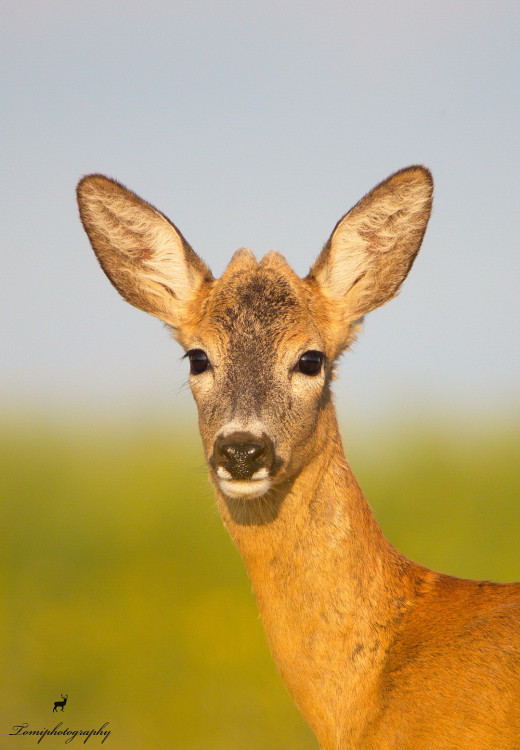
{"x": 259, "y": 124}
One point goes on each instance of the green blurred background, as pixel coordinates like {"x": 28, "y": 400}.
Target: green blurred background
{"x": 124, "y": 591}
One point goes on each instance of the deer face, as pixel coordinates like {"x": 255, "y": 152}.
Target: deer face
{"x": 260, "y": 370}
{"x": 260, "y": 340}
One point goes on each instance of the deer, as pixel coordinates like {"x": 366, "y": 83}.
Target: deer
{"x": 377, "y": 651}
{"x": 60, "y": 704}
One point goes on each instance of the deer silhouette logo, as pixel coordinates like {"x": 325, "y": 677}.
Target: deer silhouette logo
{"x": 60, "y": 704}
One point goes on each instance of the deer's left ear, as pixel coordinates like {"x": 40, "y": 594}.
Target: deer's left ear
{"x": 372, "y": 248}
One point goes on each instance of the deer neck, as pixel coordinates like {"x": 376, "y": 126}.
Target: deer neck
{"x": 329, "y": 588}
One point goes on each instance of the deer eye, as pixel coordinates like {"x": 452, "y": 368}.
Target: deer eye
{"x": 310, "y": 362}
{"x": 199, "y": 361}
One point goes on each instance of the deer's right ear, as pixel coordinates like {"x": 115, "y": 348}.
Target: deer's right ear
{"x": 143, "y": 254}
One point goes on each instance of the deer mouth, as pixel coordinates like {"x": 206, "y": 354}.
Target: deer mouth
{"x": 256, "y": 485}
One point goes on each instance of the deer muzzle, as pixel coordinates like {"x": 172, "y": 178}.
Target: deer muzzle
{"x": 243, "y": 463}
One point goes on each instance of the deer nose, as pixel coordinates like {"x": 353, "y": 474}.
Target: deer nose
{"x": 242, "y": 454}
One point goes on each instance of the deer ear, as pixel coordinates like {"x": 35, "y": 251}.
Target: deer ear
{"x": 372, "y": 248}
{"x": 143, "y": 254}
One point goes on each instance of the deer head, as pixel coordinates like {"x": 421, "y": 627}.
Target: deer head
{"x": 261, "y": 341}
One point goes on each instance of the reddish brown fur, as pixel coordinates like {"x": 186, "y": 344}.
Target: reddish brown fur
{"x": 377, "y": 651}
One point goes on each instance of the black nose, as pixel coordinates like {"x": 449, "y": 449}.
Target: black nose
{"x": 242, "y": 454}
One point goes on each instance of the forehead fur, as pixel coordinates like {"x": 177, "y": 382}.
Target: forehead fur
{"x": 251, "y": 300}
{"x": 251, "y": 295}
{"x": 259, "y": 304}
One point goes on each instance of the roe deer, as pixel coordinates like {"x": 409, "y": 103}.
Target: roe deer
{"x": 377, "y": 651}
{"x": 60, "y": 704}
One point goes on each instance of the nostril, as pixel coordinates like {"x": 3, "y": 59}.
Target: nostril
{"x": 229, "y": 450}
{"x": 254, "y": 450}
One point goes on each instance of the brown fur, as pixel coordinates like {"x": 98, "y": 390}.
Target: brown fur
{"x": 377, "y": 651}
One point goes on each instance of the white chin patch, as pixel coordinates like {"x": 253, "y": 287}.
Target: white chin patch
{"x": 246, "y": 488}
